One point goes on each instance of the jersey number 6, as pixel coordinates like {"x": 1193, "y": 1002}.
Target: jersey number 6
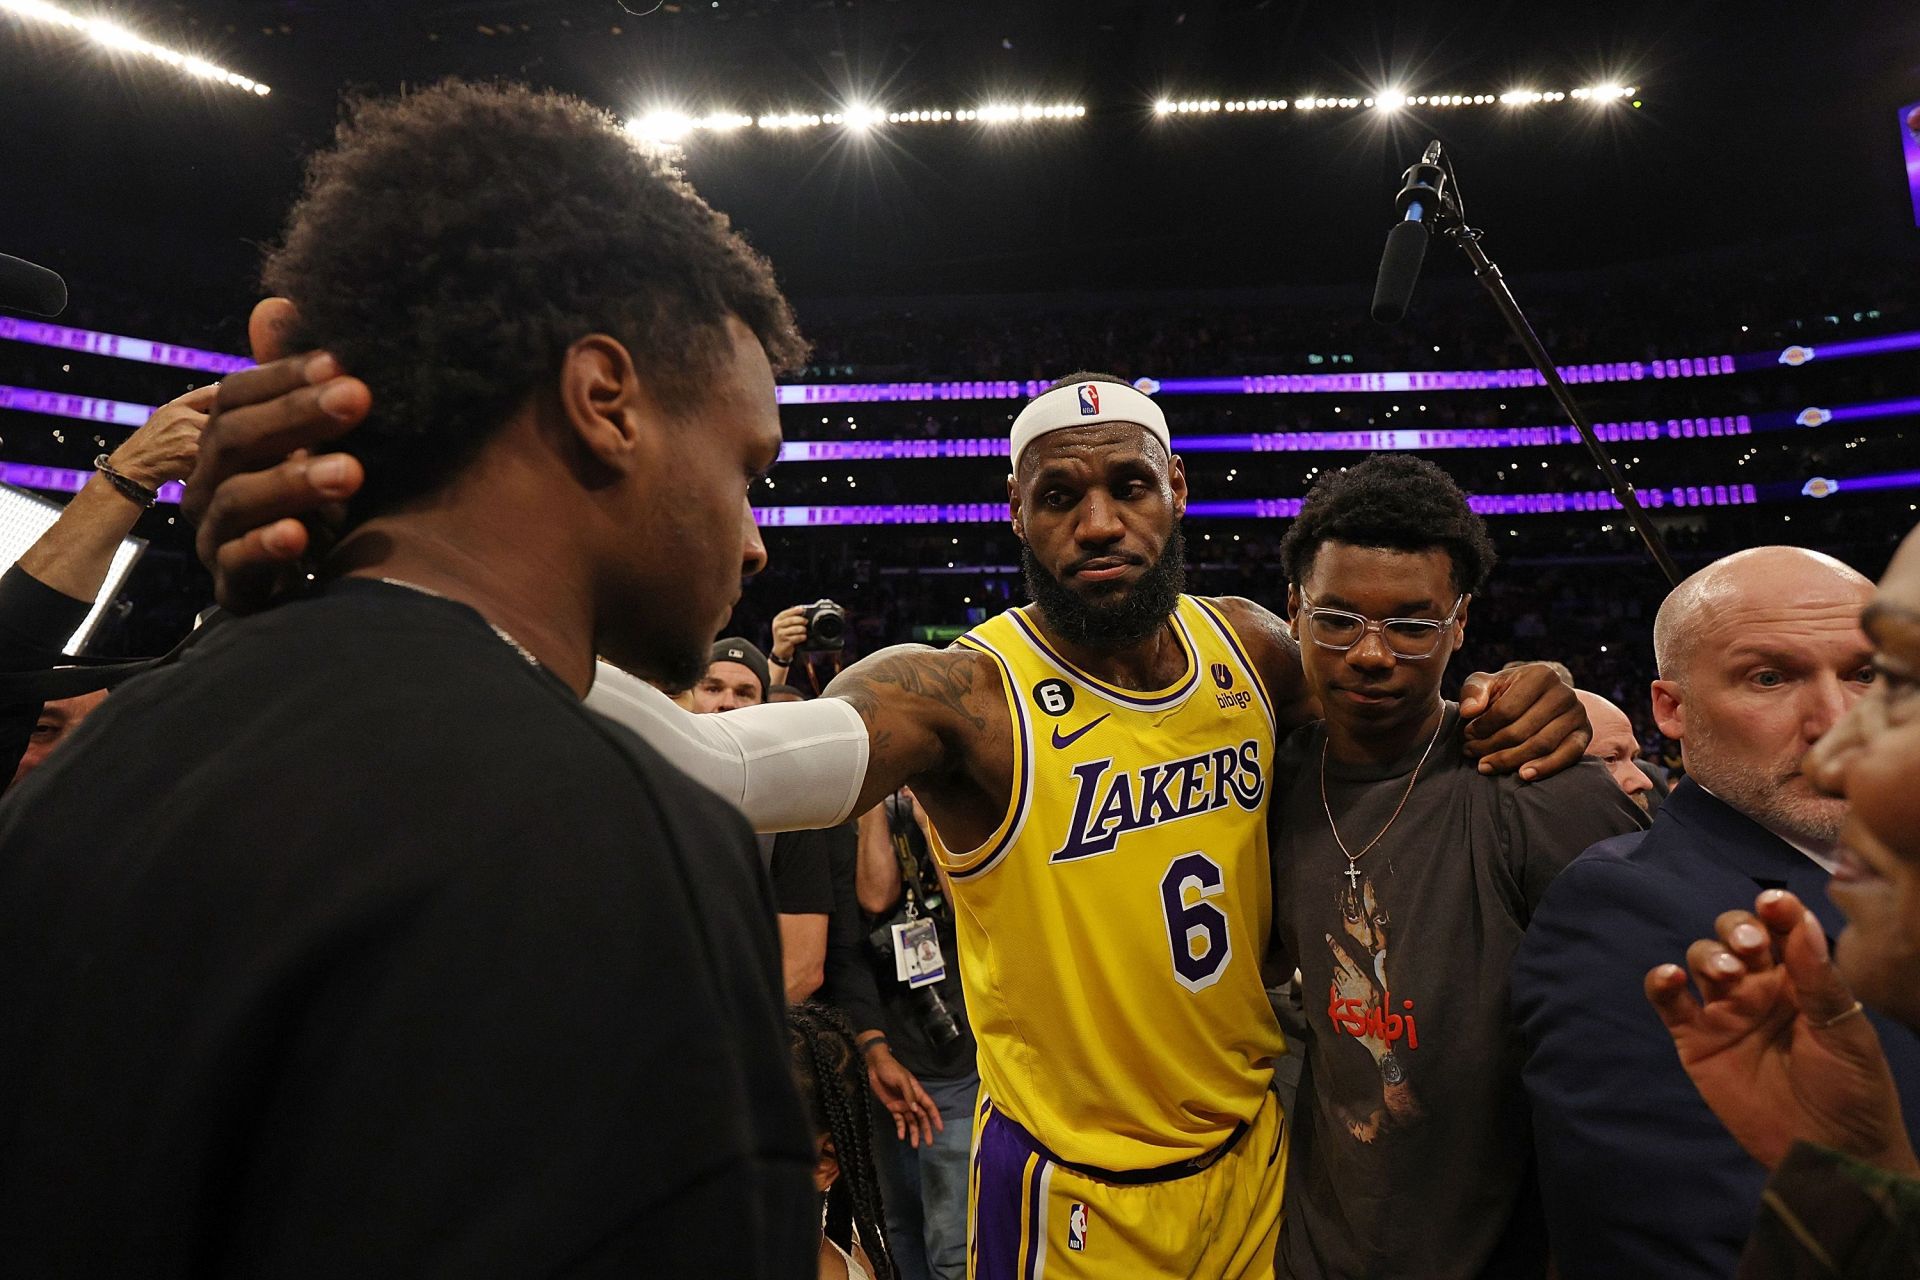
{"x": 1196, "y": 933}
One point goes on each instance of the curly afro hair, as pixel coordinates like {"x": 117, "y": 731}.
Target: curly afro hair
{"x": 455, "y": 241}
{"x": 1397, "y": 502}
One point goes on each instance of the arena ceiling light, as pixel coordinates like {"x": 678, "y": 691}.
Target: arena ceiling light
{"x": 673, "y": 125}
{"x": 109, "y": 35}
{"x": 1386, "y": 100}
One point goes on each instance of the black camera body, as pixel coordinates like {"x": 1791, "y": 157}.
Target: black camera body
{"x": 826, "y": 627}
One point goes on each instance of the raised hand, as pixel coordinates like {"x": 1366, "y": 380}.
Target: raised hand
{"x": 1778, "y": 1046}
{"x": 163, "y": 450}
{"x": 255, "y": 484}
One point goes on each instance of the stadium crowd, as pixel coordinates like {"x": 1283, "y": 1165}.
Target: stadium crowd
{"x": 398, "y": 921}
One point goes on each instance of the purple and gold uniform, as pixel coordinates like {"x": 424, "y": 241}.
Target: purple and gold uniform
{"x": 1110, "y": 935}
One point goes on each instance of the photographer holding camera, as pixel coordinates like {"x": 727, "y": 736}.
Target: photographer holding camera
{"x": 892, "y": 966}
{"x": 820, "y": 627}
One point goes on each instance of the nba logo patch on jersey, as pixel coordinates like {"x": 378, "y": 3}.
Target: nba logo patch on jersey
{"x": 1089, "y": 399}
{"x": 1077, "y": 1228}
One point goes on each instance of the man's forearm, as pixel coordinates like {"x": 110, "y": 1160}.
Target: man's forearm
{"x": 877, "y": 872}
{"x": 74, "y": 555}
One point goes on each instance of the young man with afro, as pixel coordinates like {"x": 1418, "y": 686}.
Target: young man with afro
{"x": 1404, "y": 878}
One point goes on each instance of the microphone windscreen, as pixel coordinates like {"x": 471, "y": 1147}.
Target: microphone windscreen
{"x": 30, "y": 288}
{"x": 1399, "y": 271}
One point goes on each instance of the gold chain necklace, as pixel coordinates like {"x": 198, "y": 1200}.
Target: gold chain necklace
{"x": 1353, "y": 859}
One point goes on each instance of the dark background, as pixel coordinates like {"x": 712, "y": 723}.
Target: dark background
{"x": 1758, "y": 120}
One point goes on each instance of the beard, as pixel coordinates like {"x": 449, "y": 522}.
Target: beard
{"x": 1128, "y": 618}
{"x": 1773, "y": 793}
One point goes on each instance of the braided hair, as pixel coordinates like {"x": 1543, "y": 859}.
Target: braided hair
{"x": 827, "y": 1070}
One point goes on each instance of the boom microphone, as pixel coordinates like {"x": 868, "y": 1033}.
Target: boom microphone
{"x": 1423, "y": 190}
{"x": 30, "y": 288}
{"x": 1399, "y": 271}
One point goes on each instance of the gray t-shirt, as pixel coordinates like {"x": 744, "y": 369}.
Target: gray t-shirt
{"x": 1412, "y": 1148}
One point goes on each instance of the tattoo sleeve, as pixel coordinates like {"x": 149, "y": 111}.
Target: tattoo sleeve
{"x": 917, "y": 702}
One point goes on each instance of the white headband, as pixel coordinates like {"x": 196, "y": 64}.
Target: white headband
{"x": 1084, "y": 404}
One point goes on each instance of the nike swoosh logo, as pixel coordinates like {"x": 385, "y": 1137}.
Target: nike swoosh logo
{"x": 1077, "y": 734}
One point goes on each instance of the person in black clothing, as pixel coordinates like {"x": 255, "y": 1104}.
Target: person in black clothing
{"x": 48, "y": 592}
{"x": 918, "y": 1047}
{"x": 350, "y": 943}
{"x": 796, "y": 861}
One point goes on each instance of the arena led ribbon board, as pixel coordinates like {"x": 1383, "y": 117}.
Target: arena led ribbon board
{"x": 25, "y": 516}
{"x": 1659, "y": 369}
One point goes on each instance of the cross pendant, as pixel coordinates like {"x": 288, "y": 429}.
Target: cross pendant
{"x": 1353, "y": 877}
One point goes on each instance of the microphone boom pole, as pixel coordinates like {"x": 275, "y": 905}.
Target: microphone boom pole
{"x": 1432, "y": 182}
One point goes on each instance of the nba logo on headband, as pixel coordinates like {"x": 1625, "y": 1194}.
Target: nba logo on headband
{"x": 1089, "y": 399}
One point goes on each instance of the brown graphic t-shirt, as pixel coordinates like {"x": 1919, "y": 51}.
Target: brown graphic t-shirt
{"x": 1412, "y": 1149}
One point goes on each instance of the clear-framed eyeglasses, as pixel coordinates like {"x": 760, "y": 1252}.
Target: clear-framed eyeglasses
{"x": 1409, "y": 638}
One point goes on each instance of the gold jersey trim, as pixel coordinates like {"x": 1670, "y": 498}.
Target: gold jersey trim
{"x": 988, "y": 854}
{"x": 1129, "y": 699}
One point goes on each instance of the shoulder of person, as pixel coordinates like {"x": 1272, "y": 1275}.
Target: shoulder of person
{"x": 1256, "y": 626}
{"x": 1604, "y": 888}
{"x": 1585, "y": 783}
{"x": 1295, "y": 751}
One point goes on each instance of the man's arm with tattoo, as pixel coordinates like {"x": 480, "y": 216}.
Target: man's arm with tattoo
{"x": 921, "y": 706}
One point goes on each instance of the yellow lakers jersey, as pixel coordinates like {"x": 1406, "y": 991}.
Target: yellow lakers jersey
{"x": 1111, "y": 928}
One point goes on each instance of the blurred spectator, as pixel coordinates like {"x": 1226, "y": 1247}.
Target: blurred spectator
{"x": 785, "y": 693}
{"x": 47, "y": 594}
{"x": 736, "y": 676}
{"x": 1759, "y": 655}
{"x": 57, "y": 719}
{"x": 918, "y": 1045}
{"x": 826, "y": 1069}
{"x": 1615, "y": 746}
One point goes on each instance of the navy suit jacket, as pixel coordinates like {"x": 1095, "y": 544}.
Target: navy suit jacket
{"x": 1637, "y": 1176}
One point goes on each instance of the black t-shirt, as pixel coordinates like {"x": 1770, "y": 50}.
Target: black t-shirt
{"x": 802, "y": 868}
{"x": 352, "y": 944}
{"x": 1412, "y": 1147}
{"x": 35, "y": 622}
{"x": 860, "y": 982}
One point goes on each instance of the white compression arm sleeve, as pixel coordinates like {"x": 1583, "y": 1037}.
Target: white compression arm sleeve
{"x": 790, "y": 766}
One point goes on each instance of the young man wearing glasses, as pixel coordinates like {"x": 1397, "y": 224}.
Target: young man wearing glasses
{"x": 1404, "y": 879}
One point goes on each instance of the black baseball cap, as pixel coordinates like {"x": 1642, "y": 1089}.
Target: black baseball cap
{"x": 734, "y": 649}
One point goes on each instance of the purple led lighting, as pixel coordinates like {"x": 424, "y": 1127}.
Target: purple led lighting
{"x": 118, "y": 413}
{"x": 1488, "y": 504}
{"x": 1270, "y": 384}
{"x": 1865, "y": 346}
{"x": 1890, "y": 480}
{"x": 121, "y": 347}
{"x": 123, "y": 413}
{"x": 41, "y": 334}
{"x": 66, "y": 479}
{"x": 1643, "y": 430}
{"x": 1876, "y": 409}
